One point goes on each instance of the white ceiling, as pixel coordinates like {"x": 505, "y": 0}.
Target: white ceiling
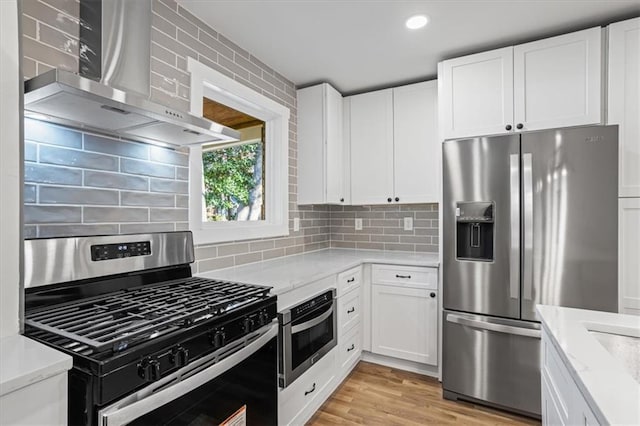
{"x": 359, "y": 45}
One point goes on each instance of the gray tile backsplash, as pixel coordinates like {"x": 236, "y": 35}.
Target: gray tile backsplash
{"x": 73, "y": 188}
{"x": 67, "y": 171}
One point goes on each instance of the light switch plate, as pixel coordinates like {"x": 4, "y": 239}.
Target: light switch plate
{"x": 296, "y": 224}
{"x": 358, "y": 224}
{"x": 408, "y": 223}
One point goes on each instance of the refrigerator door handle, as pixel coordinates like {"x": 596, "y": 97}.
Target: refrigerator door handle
{"x": 514, "y": 241}
{"x": 527, "y": 271}
{"x": 490, "y": 326}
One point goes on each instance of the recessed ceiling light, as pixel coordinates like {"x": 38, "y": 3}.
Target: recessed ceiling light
{"x": 417, "y": 21}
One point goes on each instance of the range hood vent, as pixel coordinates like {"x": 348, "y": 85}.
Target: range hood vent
{"x": 110, "y": 93}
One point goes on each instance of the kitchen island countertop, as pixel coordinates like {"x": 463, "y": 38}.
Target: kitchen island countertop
{"x": 290, "y": 272}
{"x": 606, "y": 383}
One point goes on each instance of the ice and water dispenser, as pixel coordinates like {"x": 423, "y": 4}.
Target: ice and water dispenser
{"x": 474, "y": 231}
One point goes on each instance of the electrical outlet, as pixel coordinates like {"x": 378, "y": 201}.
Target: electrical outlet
{"x": 296, "y": 224}
{"x": 408, "y": 223}
{"x": 358, "y": 224}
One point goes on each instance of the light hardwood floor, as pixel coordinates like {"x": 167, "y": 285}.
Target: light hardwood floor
{"x": 378, "y": 395}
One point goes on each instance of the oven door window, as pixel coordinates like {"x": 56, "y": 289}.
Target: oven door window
{"x": 310, "y": 339}
{"x": 250, "y": 386}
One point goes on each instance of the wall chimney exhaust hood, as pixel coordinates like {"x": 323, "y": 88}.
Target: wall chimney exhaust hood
{"x": 110, "y": 93}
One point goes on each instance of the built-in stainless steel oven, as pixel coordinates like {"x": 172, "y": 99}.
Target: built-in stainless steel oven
{"x": 307, "y": 332}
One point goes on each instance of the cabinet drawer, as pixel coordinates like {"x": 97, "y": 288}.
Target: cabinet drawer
{"x": 408, "y": 276}
{"x": 350, "y": 349}
{"x": 348, "y": 280}
{"x": 295, "y": 398}
{"x": 349, "y": 308}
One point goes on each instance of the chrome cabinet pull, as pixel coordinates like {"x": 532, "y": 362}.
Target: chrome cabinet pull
{"x": 353, "y": 309}
{"x": 310, "y": 391}
{"x": 403, "y": 276}
{"x": 353, "y": 346}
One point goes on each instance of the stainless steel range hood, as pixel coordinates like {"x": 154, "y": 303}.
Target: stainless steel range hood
{"x": 110, "y": 92}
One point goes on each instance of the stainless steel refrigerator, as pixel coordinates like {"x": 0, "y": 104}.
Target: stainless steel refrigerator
{"x": 528, "y": 219}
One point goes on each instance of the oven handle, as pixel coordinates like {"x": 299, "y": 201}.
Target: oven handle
{"x": 312, "y": 323}
{"x": 147, "y": 400}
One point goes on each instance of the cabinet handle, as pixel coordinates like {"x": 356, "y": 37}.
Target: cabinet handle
{"x": 310, "y": 391}
{"x": 432, "y": 295}
{"x": 350, "y": 280}
{"x": 389, "y": 200}
{"x": 342, "y": 200}
{"x": 397, "y": 198}
{"x": 519, "y": 126}
{"x": 353, "y": 346}
{"x": 353, "y": 309}
{"x": 403, "y": 276}
{"x": 508, "y": 127}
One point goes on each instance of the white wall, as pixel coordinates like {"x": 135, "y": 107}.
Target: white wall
{"x": 10, "y": 167}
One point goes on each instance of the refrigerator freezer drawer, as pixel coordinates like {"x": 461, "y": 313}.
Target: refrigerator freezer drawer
{"x": 492, "y": 360}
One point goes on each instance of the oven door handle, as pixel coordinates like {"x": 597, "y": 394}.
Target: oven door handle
{"x": 161, "y": 393}
{"x": 312, "y": 323}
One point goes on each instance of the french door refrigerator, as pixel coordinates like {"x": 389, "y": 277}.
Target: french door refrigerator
{"x": 528, "y": 219}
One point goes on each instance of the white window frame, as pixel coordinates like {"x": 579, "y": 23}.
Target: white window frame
{"x": 207, "y": 82}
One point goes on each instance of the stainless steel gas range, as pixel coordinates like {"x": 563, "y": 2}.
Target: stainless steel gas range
{"x": 150, "y": 343}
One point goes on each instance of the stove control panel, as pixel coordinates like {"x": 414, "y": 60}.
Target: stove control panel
{"x": 120, "y": 250}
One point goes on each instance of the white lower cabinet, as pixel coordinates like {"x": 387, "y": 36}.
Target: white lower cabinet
{"x": 349, "y": 350}
{"x": 349, "y": 308}
{"x": 404, "y": 323}
{"x": 41, "y": 403}
{"x": 404, "y": 313}
{"x": 298, "y": 401}
{"x": 562, "y": 401}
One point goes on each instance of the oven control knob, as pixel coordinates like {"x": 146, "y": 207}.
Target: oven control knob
{"x": 247, "y": 325}
{"x": 149, "y": 369}
{"x": 218, "y": 339}
{"x": 179, "y": 356}
{"x": 263, "y": 318}
{"x": 154, "y": 366}
{"x": 144, "y": 370}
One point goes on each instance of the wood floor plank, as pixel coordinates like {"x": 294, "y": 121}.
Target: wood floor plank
{"x": 378, "y": 395}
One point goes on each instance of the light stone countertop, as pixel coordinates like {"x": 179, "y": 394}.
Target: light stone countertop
{"x": 24, "y": 361}
{"x": 288, "y": 273}
{"x": 605, "y": 381}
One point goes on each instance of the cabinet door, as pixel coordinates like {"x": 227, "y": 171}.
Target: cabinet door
{"x": 311, "y": 145}
{"x": 415, "y": 143}
{"x": 335, "y": 164}
{"x": 321, "y": 165}
{"x": 404, "y": 323}
{"x": 624, "y": 101}
{"x": 557, "y": 81}
{"x": 372, "y": 147}
{"x": 477, "y": 93}
{"x": 628, "y": 255}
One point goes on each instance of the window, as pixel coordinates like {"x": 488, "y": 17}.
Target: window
{"x": 238, "y": 190}
{"x": 233, "y": 177}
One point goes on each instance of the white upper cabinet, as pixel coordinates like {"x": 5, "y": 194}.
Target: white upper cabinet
{"x": 477, "y": 97}
{"x": 558, "y": 81}
{"x": 555, "y": 82}
{"x": 322, "y": 167}
{"x": 416, "y": 148}
{"x": 394, "y": 143}
{"x": 624, "y": 101}
{"x": 371, "y": 139}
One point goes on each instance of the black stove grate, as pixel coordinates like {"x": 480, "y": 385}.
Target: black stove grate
{"x": 118, "y": 320}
